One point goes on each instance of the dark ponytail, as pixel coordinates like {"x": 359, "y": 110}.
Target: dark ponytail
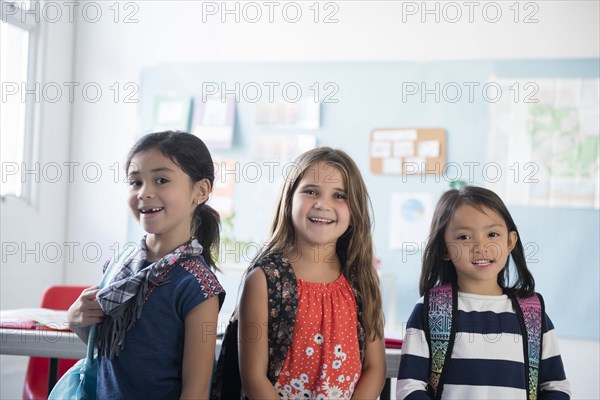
{"x": 192, "y": 156}
{"x": 205, "y": 226}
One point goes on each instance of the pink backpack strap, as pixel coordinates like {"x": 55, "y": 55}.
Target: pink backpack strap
{"x": 440, "y": 306}
{"x": 530, "y": 312}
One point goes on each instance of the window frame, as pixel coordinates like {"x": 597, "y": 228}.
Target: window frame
{"x": 31, "y": 125}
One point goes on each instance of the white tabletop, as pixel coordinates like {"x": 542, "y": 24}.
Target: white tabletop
{"x": 65, "y": 344}
{"x": 41, "y": 343}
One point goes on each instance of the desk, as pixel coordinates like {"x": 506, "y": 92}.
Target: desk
{"x": 61, "y": 344}
{"x": 41, "y": 343}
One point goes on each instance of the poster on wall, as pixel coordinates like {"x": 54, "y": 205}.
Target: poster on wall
{"x": 302, "y": 114}
{"x": 544, "y": 138}
{"x": 410, "y": 218}
{"x": 281, "y": 148}
{"x": 213, "y": 121}
{"x": 171, "y": 113}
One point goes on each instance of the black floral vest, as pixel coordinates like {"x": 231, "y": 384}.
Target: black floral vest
{"x": 283, "y": 303}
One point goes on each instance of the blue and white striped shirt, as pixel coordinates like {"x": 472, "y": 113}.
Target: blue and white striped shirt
{"x": 487, "y": 359}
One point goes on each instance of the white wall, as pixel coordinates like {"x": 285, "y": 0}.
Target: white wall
{"x": 33, "y": 234}
{"x": 36, "y": 225}
{"x": 582, "y": 364}
{"x": 106, "y": 52}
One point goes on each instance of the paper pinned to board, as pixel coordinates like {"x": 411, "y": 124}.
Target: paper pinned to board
{"x": 428, "y": 148}
{"x": 381, "y": 149}
{"x": 392, "y": 165}
{"x": 404, "y": 148}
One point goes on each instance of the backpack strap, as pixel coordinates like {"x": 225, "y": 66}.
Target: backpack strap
{"x": 440, "y": 306}
{"x": 226, "y": 380}
{"x": 282, "y": 292}
{"x": 281, "y": 287}
{"x": 530, "y": 311}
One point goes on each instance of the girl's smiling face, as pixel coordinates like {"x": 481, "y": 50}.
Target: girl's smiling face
{"x": 320, "y": 211}
{"x": 478, "y": 244}
{"x": 161, "y": 196}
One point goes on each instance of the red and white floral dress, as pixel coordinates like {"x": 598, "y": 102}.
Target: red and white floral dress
{"x": 323, "y": 361}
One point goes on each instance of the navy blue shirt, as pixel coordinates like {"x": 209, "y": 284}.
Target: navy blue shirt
{"x": 150, "y": 365}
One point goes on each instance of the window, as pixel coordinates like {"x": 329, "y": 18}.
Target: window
{"x": 18, "y": 38}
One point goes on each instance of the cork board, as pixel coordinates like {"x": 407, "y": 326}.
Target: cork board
{"x": 407, "y": 151}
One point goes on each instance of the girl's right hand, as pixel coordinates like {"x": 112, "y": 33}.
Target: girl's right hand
{"x": 86, "y": 310}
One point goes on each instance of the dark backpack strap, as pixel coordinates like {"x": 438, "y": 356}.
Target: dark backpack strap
{"x": 530, "y": 313}
{"x": 227, "y": 382}
{"x": 440, "y": 307}
{"x": 283, "y": 304}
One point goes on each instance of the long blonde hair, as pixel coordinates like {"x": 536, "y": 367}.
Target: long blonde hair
{"x": 354, "y": 248}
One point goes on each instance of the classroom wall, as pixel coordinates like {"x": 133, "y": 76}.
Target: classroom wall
{"x": 364, "y": 32}
{"x": 33, "y": 233}
{"x": 90, "y": 210}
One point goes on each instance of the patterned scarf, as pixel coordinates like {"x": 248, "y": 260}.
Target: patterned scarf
{"x": 124, "y": 295}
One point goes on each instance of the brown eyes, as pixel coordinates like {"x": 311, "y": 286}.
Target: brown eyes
{"x": 467, "y": 237}
{"x": 337, "y": 196}
{"x": 158, "y": 181}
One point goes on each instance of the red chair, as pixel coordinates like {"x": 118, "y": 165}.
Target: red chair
{"x": 36, "y": 379}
